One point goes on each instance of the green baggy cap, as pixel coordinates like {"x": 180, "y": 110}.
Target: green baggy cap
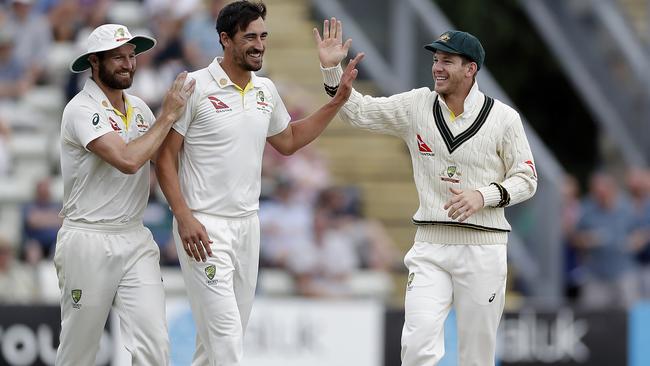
{"x": 461, "y": 43}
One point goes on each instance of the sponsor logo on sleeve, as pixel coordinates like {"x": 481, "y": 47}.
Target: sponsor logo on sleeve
{"x": 532, "y": 166}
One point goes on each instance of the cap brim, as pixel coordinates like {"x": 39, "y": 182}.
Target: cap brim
{"x": 436, "y": 46}
{"x": 141, "y": 43}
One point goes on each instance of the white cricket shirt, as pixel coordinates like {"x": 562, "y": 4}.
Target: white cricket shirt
{"x": 225, "y": 130}
{"x": 93, "y": 190}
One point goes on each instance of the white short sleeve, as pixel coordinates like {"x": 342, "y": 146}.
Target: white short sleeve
{"x": 183, "y": 123}
{"x": 85, "y": 124}
{"x": 280, "y": 118}
{"x": 148, "y": 113}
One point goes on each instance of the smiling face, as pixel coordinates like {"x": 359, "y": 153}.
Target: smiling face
{"x": 247, "y": 46}
{"x": 115, "y": 68}
{"x": 452, "y": 73}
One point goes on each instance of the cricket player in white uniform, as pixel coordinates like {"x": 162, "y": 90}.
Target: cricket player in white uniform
{"x": 104, "y": 254}
{"x": 470, "y": 159}
{"x": 209, "y": 168}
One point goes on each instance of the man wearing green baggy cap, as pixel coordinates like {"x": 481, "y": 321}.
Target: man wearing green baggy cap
{"x": 104, "y": 255}
{"x": 470, "y": 159}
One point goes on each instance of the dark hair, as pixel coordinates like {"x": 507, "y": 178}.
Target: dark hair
{"x": 237, "y": 16}
{"x": 101, "y": 55}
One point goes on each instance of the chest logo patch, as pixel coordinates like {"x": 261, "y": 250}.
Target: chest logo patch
{"x": 219, "y": 105}
{"x": 262, "y": 104}
{"x": 140, "y": 122}
{"x": 451, "y": 174}
{"x": 114, "y": 124}
{"x": 424, "y": 148}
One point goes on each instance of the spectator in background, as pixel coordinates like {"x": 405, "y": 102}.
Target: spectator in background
{"x": 32, "y": 37}
{"x": 15, "y": 80}
{"x": 41, "y": 223}
{"x": 72, "y": 19}
{"x": 344, "y": 242}
{"x": 602, "y": 236}
{"x": 322, "y": 267}
{"x": 374, "y": 247}
{"x": 199, "y": 34}
{"x": 638, "y": 185}
{"x": 150, "y": 85}
{"x": 286, "y": 225}
{"x": 570, "y": 216}
{"x": 65, "y": 20}
{"x": 5, "y": 155}
{"x": 17, "y": 283}
{"x": 166, "y": 22}
{"x": 307, "y": 170}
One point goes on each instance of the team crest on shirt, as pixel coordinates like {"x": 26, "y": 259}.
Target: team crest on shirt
{"x": 76, "y": 297}
{"x": 451, "y": 174}
{"x": 262, "y": 104}
{"x": 219, "y": 105}
{"x": 142, "y": 125}
{"x": 210, "y": 271}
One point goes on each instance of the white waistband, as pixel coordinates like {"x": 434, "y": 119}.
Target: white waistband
{"x": 104, "y": 227}
{"x": 442, "y": 234}
{"x": 226, "y": 218}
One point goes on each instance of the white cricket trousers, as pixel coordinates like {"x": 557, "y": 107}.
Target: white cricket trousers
{"x": 471, "y": 278}
{"x": 221, "y": 290}
{"x": 103, "y": 265}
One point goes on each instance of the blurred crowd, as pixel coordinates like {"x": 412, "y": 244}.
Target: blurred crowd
{"x": 312, "y": 231}
{"x": 607, "y": 239}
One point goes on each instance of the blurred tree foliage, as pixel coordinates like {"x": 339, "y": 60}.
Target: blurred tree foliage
{"x": 522, "y": 64}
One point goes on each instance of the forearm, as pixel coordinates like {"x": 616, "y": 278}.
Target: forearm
{"x": 143, "y": 149}
{"x": 377, "y": 114}
{"x": 306, "y": 130}
{"x": 167, "y": 174}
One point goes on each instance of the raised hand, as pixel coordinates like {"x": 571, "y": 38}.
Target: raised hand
{"x": 331, "y": 49}
{"x": 349, "y": 75}
{"x": 176, "y": 97}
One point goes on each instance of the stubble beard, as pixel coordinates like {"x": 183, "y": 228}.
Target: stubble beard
{"x": 112, "y": 81}
{"x": 248, "y": 66}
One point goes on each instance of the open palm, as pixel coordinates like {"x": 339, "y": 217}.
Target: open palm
{"x": 331, "y": 49}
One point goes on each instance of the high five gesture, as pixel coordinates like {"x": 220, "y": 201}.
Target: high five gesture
{"x": 331, "y": 49}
